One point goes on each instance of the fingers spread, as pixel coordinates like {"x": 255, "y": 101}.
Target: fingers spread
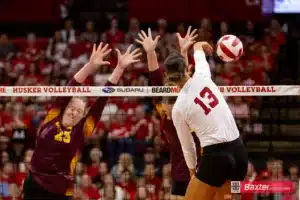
{"x": 104, "y": 48}
{"x": 194, "y": 37}
{"x": 135, "y": 51}
{"x": 139, "y": 41}
{"x": 136, "y": 55}
{"x": 135, "y": 61}
{"x": 193, "y": 32}
{"x": 106, "y": 52}
{"x": 100, "y": 46}
{"x": 140, "y": 36}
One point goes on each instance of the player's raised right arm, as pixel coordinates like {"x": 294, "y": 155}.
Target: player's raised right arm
{"x": 201, "y": 64}
{"x": 149, "y": 46}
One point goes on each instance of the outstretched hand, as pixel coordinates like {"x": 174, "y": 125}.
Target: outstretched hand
{"x": 147, "y": 41}
{"x": 189, "y": 39}
{"x": 128, "y": 57}
{"x": 98, "y": 55}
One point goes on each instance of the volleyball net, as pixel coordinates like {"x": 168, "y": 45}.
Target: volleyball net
{"x": 151, "y": 91}
{"x": 264, "y": 115}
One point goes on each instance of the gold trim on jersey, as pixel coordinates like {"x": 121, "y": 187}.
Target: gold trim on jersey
{"x": 192, "y": 130}
{"x": 160, "y": 110}
{"x": 52, "y": 113}
{"x": 69, "y": 191}
{"x": 88, "y": 126}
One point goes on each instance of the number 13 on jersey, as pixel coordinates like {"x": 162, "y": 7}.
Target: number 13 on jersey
{"x": 206, "y": 93}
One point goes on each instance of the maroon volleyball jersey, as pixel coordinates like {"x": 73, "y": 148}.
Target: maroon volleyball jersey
{"x": 179, "y": 170}
{"x": 57, "y": 147}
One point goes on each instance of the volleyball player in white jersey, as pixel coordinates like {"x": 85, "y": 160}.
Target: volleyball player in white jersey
{"x": 200, "y": 107}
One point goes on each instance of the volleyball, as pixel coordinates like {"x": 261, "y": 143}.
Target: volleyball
{"x": 229, "y": 48}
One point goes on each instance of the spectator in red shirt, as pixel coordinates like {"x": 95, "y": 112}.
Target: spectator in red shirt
{"x": 115, "y": 192}
{"x": 133, "y": 30}
{"x": 8, "y": 175}
{"x": 98, "y": 180}
{"x": 32, "y": 48}
{"x": 276, "y": 33}
{"x": 267, "y": 173}
{"x": 119, "y": 137}
{"x": 127, "y": 183}
{"x": 34, "y": 75}
{"x": 89, "y": 190}
{"x": 95, "y": 157}
{"x": 153, "y": 183}
{"x": 114, "y": 35}
{"x": 21, "y": 174}
{"x": 143, "y": 130}
{"x": 20, "y": 64}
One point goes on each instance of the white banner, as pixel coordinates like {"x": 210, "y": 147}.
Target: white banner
{"x": 275, "y": 90}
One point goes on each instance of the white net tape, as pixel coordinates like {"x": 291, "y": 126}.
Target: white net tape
{"x": 121, "y": 91}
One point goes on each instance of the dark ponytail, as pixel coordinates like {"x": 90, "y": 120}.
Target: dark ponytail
{"x": 176, "y": 67}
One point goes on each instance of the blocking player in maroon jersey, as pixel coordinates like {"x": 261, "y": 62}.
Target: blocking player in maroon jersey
{"x": 61, "y": 136}
{"x": 179, "y": 170}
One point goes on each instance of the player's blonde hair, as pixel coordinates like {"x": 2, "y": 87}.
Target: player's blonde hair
{"x": 169, "y": 100}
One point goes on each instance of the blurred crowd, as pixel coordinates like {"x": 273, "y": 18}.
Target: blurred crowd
{"x": 127, "y": 157}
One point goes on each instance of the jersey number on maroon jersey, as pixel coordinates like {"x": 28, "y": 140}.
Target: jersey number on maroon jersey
{"x": 206, "y": 93}
{"x": 62, "y": 136}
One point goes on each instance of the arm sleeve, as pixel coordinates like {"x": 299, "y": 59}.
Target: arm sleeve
{"x": 94, "y": 113}
{"x": 156, "y": 78}
{"x": 201, "y": 65}
{"x": 185, "y": 138}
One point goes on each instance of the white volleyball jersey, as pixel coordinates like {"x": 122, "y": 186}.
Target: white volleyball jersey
{"x": 201, "y": 107}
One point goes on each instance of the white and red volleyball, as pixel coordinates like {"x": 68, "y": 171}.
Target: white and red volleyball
{"x": 229, "y": 48}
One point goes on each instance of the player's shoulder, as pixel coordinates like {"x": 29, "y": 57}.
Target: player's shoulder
{"x": 183, "y": 96}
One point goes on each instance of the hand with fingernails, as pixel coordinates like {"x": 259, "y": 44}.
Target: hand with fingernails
{"x": 98, "y": 55}
{"x": 186, "y": 42}
{"x": 128, "y": 57}
{"x": 147, "y": 41}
